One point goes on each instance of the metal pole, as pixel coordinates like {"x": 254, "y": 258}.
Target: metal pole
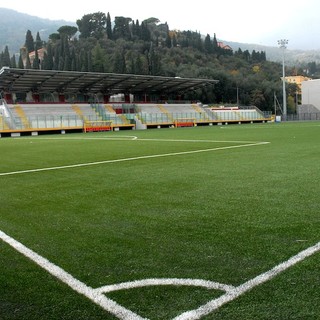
{"x": 237, "y": 96}
{"x": 283, "y": 45}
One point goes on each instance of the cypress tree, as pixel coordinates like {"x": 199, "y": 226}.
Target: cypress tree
{"x": 168, "y": 41}
{"x": 119, "y": 62}
{"x": 20, "y": 62}
{"x": 49, "y": 58}
{"x": 6, "y": 61}
{"x": 56, "y": 58}
{"x": 109, "y": 27}
{"x": 13, "y": 62}
{"x": 35, "y": 63}
{"x": 39, "y": 43}
{"x": 29, "y": 44}
{"x": 215, "y": 47}
{"x": 28, "y": 63}
{"x": 208, "y": 45}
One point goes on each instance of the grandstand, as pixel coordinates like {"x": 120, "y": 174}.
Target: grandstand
{"x": 41, "y": 101}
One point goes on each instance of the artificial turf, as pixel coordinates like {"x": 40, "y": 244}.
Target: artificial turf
{"x": 157, "y": 207}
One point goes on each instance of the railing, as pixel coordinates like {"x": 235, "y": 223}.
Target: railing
{"x": 314, "y": 116}
{"x": 47, "y": 122}
{"x": 61, "y": 122}
{"x": 7, "y": 118}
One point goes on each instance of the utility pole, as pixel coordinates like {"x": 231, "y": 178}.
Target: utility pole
{"x": 283, "y": 45}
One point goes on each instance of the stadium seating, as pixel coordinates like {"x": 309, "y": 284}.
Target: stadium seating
{"x": 47, "y": 116}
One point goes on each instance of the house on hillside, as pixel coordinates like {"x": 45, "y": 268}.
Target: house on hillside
{"x": 297, "y": 80}
{"x": 23, "y": 53}
{"x": 224, "y": 46}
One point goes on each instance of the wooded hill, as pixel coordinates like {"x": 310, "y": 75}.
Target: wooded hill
{"x": 123, "y": 45}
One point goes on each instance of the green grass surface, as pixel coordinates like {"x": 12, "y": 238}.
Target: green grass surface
{"x": 225, "y": 215}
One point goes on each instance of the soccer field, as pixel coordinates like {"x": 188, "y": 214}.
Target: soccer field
{"x": 218, "y": 222}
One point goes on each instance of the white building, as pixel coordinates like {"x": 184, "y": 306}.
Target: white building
{"x": 310, "y": 97}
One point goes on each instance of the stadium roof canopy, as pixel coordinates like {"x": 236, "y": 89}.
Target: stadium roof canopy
{"x": 46, "y": 81}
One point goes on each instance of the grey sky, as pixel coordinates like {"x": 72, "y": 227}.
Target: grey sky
{"x": 247, "y": 21}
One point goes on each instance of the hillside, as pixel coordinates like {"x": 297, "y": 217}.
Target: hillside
{"x": 14, "y": 25}
{"x": 293, "y": 57}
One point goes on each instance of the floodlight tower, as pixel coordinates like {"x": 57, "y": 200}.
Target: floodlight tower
{"x": 283, "y": 45}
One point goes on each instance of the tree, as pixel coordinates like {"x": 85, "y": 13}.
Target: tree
{"x": 54, "y": 37}
{"x": 121, "y": 28}
{"x": 154, "y": 61}
{"x": 92, "y": 25}
{"x": 208, "y": 45}
{"x": 29, "y": 43}
{"x": 39, "y": 43}
{"x": 119, "y": 65}
{"x": 215, "y": 46}
{"x": 145, "y": 32}
{"x": 98, "y": 59}
{"x": 35, "y": 63}
{"x": 135, "y": 30}
{"x": 109, "y": 26}
{"x": 20, "y": 62}
{"x": 257, "y": 98}
{"x": 47, "y": 62}
{"x": 6, "y": 61}
{"x": 67, "y": 31}
{"x": 168, "y": 40}
{"x": 13, "y": 63}
{"x": 28, "y": 63}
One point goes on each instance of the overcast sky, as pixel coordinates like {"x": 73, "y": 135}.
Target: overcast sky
{"x": 246, "y": 21}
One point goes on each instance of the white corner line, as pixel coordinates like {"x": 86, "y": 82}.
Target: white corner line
{"x": 97, "y": 296}
{"x": 166, "y": 282}
{"x": 78, "y": 165}
{"x": 243, "y": 288}
{"x": 78, "y": 286}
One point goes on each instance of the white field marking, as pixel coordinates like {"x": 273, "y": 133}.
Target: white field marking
{"x": 130, "y": 159}
{"x": 125, "y": 138}
{"x": 97, "y": 296}
{"x": 243, "y": 288}
{"x": 166, "y": 282}
{"x": 78, "y": 286}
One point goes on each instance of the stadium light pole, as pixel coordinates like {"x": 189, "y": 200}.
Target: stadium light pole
{"x": 283, "y": 45}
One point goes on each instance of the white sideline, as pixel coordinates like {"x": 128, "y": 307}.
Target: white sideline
{"x": 96, "y": 295}
{"x": 130, "y": 159}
